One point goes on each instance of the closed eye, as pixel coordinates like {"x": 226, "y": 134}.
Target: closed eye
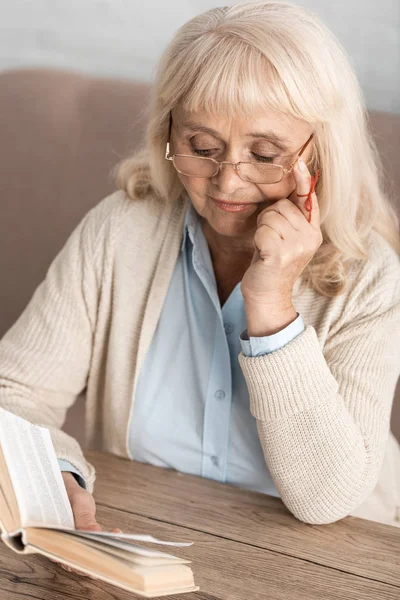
{"x": 258, "y": 157}
{"x": 201, "y": 152}
{"x": 267, "y": 159}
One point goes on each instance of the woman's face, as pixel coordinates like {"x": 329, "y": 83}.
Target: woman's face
{"x": 274, "y": 136}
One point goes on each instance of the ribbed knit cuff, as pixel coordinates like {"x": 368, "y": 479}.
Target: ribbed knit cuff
{"x": 290, "y": 380}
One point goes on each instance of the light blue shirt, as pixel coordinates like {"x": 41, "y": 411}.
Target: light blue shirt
{"x": 191, "y": 409}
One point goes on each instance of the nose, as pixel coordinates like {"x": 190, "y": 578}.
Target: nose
{"x": 227, "y": 180}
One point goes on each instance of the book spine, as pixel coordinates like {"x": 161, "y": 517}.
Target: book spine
{"x": 17, "y": 543}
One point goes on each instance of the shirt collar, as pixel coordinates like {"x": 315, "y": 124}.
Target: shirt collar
{"x": 190, "y": 225}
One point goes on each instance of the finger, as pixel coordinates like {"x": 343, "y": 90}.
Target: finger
{"x": 67, "y": 568}
{"x": 84, "y": 509}
{"x": 312, "y": 205}
{"x": 308, "y": 204}
{"x": 278, "y": 222}
{"x": 302, "y": 179}
{"x": 287, "y": 210}
{"x": 86, "y": 520}
{"x": 266, "y": 240}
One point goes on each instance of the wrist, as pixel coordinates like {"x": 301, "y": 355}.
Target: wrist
{"x": 265, "y": 319}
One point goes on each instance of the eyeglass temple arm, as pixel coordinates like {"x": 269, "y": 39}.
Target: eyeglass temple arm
{"x": 169, "y": 136}
{"x": 305, "y": 145}
{"x": 301, "y": 151}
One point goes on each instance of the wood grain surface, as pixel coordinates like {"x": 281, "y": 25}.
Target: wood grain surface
{"x": 247, "y": 546}
{"x": 352, "y": 545}
{"x": 224, "y": 569}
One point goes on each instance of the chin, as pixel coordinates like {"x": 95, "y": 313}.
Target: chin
{"x": 232, "y": 225}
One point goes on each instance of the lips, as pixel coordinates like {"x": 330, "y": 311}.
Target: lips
{"x": 231, "y": 203}
{"x": 231, "y": 206}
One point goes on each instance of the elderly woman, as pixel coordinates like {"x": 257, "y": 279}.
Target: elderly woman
{"x": 223, "y": 317}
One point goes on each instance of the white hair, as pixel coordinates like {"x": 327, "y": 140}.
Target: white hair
{"x": 257, "y": 56}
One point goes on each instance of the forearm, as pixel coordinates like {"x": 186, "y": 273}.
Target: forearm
{"x": 65, "y": 446}
{"x": 323, "y": 457}
{"x": 319, "y": 462}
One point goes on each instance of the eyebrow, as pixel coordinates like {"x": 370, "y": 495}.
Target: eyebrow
{"x": 270, "y": 136}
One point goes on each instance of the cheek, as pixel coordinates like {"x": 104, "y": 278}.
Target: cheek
{"x": 193, "y": 185}
{"x": 280, "y": 190}
{"x": 197, "y": 191}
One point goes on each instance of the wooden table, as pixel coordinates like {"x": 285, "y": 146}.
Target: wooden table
{"x": 247, "y": 545}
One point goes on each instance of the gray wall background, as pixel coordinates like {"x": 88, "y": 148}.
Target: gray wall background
{"x": 124, "y": 38}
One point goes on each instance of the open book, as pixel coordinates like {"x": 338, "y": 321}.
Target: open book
{"x": 36, "y": 516}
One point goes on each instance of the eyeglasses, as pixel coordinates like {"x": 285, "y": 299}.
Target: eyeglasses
{"x": 204, "y": 168}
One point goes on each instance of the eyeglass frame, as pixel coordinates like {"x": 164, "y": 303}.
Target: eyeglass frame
{"x": 227, "y": 162}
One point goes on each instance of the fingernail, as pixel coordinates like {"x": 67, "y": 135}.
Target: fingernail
{"x": 302, "y": 164}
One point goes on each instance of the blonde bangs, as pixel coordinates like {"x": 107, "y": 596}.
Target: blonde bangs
{"x": 234, "y": 79}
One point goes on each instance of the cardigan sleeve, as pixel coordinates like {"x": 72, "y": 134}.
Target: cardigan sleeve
{"x": 45, "y": 356}
{"x": 323, "y": 413}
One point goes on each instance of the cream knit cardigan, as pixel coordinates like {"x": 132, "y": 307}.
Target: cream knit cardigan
{"x": 322, "y": 402}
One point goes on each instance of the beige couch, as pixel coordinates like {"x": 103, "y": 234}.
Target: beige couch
{"x": 60, "y": 136}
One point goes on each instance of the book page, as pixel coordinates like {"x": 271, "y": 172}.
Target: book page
{"x": 35, "y": 475}
{"x": 133, "y": 558}
{"x": 129, "y": 546}
{"x": 125, "y": 536}
{"x": 145, "y": 581}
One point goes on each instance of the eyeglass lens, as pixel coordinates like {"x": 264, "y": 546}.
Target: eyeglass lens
{"x": 194, "y": 166}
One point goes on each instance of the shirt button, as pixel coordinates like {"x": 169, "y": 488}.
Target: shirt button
{"x": 220, "y": 394}
{"x": 215, "y": 461}
{"x": 229, "y": 328}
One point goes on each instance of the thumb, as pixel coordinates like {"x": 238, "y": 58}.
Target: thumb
{"x": 84, "y": 510}
{"x": 86, "y": 521}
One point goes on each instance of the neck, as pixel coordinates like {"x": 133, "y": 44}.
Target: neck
{"x": 228, "y": 250}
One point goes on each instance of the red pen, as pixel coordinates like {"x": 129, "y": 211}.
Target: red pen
{"x": 308, "y": 202}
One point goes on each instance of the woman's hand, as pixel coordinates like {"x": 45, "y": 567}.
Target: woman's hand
{"x": 82, "y": 503}
{"x": 83, "y": 508}
{"x": 285, "y": 241}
